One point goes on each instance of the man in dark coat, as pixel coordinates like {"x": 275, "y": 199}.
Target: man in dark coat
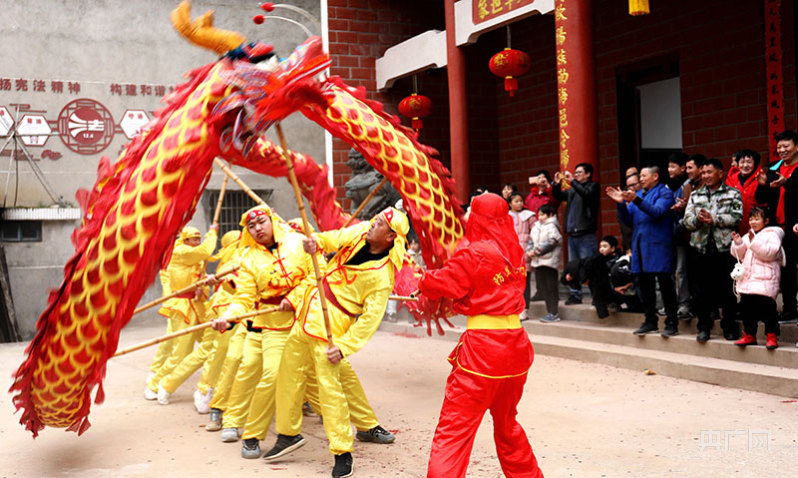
{"x": 581, "y": 215}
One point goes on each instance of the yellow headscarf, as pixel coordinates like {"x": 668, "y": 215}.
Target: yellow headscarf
{"x": 188, "y": 232}
{"x": 278, "y": 226}
{"x": 296, "y": 225}
{"x": 398, "y": 222}
{"x": 229, "y": 247}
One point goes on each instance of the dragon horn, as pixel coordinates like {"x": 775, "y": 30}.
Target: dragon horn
{"x": 201, "y": 31}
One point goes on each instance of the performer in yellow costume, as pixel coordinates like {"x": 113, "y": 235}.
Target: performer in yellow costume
{"x": 357, "y": 283}
{"x": 185, "y": 268}
{"x": 273, "y": 262}
{"x": 227, "y": 375}
{"x": 198, "y": 356}
{"x": 212, "y": 368}
{"x": 162, "y": 353}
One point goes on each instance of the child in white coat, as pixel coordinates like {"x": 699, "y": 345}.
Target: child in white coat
{"x": 543, "y": 251}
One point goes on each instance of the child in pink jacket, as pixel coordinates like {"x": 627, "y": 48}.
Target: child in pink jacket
{"x": 761, "y": 255}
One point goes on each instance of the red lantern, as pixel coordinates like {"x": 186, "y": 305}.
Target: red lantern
{"x": 510, "y": 63}
{"x": 416, "y": 107}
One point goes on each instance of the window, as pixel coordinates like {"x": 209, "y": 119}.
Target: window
{"x": 21, "y": 231}
{"x": 234, "y": 205}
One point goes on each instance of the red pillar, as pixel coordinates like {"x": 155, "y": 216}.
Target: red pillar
{"x": 576, "y": 84}
{"x": 458, "y": 108}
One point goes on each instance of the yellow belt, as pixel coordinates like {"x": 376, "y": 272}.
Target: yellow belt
{"x": 494, "y": 322}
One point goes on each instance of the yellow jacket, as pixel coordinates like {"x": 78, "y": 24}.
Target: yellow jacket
{"x": 362, "y": 290}
{"x": 265, "y": 277}
{"x": 185, "y": 268}
{"x": 223, "y": 293}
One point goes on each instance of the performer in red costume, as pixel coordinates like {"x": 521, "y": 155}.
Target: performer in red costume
{"x": 485, "y": 278}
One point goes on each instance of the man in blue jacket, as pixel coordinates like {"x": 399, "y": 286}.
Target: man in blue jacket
{"x": 649, "y": 213}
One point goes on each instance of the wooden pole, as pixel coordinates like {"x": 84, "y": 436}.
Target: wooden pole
{"x": 306, "y": 228}
{"x": 218, "y": 211}
{"x": 240, "y": 183}
{"x": 406, "y": 298}
{"x": 182, "y": 291}
{"x": 365, "y": 201}
{"x": 191, "y": 329}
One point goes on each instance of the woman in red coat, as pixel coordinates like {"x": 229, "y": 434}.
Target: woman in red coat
{"x": 742, "y": 176}
{"x": 485, "y": 278}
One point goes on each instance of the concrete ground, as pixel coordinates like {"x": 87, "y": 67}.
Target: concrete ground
{"x": 583, "y": 420}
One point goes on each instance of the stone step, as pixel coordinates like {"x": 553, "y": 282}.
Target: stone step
{"x": 728, "y": 373}
{"x": 680, "y": 357}
{"x": 785, "y": 356}
{"x": 586, "y": 313}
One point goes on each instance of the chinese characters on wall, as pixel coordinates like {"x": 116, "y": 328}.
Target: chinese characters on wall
{"x": 560, "y": 36}
{"x": 84, "y": 126}
{"x": 775, "y": 83}
{"x": 484, "y": 10}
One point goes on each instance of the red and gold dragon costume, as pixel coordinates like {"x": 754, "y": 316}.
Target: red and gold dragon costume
{"x": 140, "y": 203}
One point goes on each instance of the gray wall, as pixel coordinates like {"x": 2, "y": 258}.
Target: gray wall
{"x": 98, "y": 44}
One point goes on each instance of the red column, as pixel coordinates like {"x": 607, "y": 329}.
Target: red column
{"x": 458, "y": 108}
{"x": 576, "y": 84}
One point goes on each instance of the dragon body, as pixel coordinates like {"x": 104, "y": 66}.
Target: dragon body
{"x": 140, "y": 203}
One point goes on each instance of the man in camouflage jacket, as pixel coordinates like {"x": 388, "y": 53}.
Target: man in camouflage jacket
{"x": 713, "y": 212}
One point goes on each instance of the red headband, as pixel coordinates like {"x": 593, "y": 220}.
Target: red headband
{"x": 255, "y": 214}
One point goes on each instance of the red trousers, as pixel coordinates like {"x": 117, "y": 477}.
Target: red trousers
{"x": 467, "y": 398}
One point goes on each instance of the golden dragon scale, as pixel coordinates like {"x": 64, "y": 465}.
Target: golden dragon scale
{"x": 425, "y": 185}
{"x": 130, "y": 218}
{"x": 138, "y": 205}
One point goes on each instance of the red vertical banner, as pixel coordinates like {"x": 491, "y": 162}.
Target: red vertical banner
{"x": 576, "y": 84}
{"x": 775, "y": 80}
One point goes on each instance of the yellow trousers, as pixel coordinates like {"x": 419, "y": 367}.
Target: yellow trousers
{"x": 303, "y": 352}
{"x": 361, "y": 414}
{"x": 262, "y": 353}
{"x": 179, "y": 349}
{"x": 165, "y": 348}
{"x": 235, "y": 351}
{"x": 212, "y": 368}
{"x": 191, "y": 363}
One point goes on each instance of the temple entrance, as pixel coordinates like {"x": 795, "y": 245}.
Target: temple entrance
{"x": 649, "y": 113}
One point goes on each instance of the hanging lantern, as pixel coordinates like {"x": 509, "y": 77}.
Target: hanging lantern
{"x": 416, "y": 107}
{"x": 639, "y": 7}
{"x": 509, "y": 64}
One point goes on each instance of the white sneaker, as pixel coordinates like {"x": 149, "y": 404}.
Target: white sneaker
{"x": 149, "y": 394}
{"x": 163, "y": 395}
{"x": 203, "y": 402}
{"x": 230, "y": 435}
{"x": 524, "y": 315}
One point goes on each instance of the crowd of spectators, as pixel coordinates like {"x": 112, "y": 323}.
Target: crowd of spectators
{"x": 704, "y": 241}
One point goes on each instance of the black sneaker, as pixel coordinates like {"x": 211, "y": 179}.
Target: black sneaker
{"x": 731, "y": 335}
{"x": 376, "y": 435}
{"x": 250, "y": 448}
{"x": 536, "y": 298}
{"x": 670, "y": 332}
{"x": 343, "y": 466}
{"x": 285, "y": 444}
{"x": 646, "y": 329}
{"x": 789, "y": 317}
{"x": 571, "y": 300}
{"x": 702, "y": 336}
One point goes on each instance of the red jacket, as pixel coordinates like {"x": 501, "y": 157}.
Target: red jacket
{"x": 480, "y": 280}
{"x": 747, "y": 190}
{"x": 536, "y": 198}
